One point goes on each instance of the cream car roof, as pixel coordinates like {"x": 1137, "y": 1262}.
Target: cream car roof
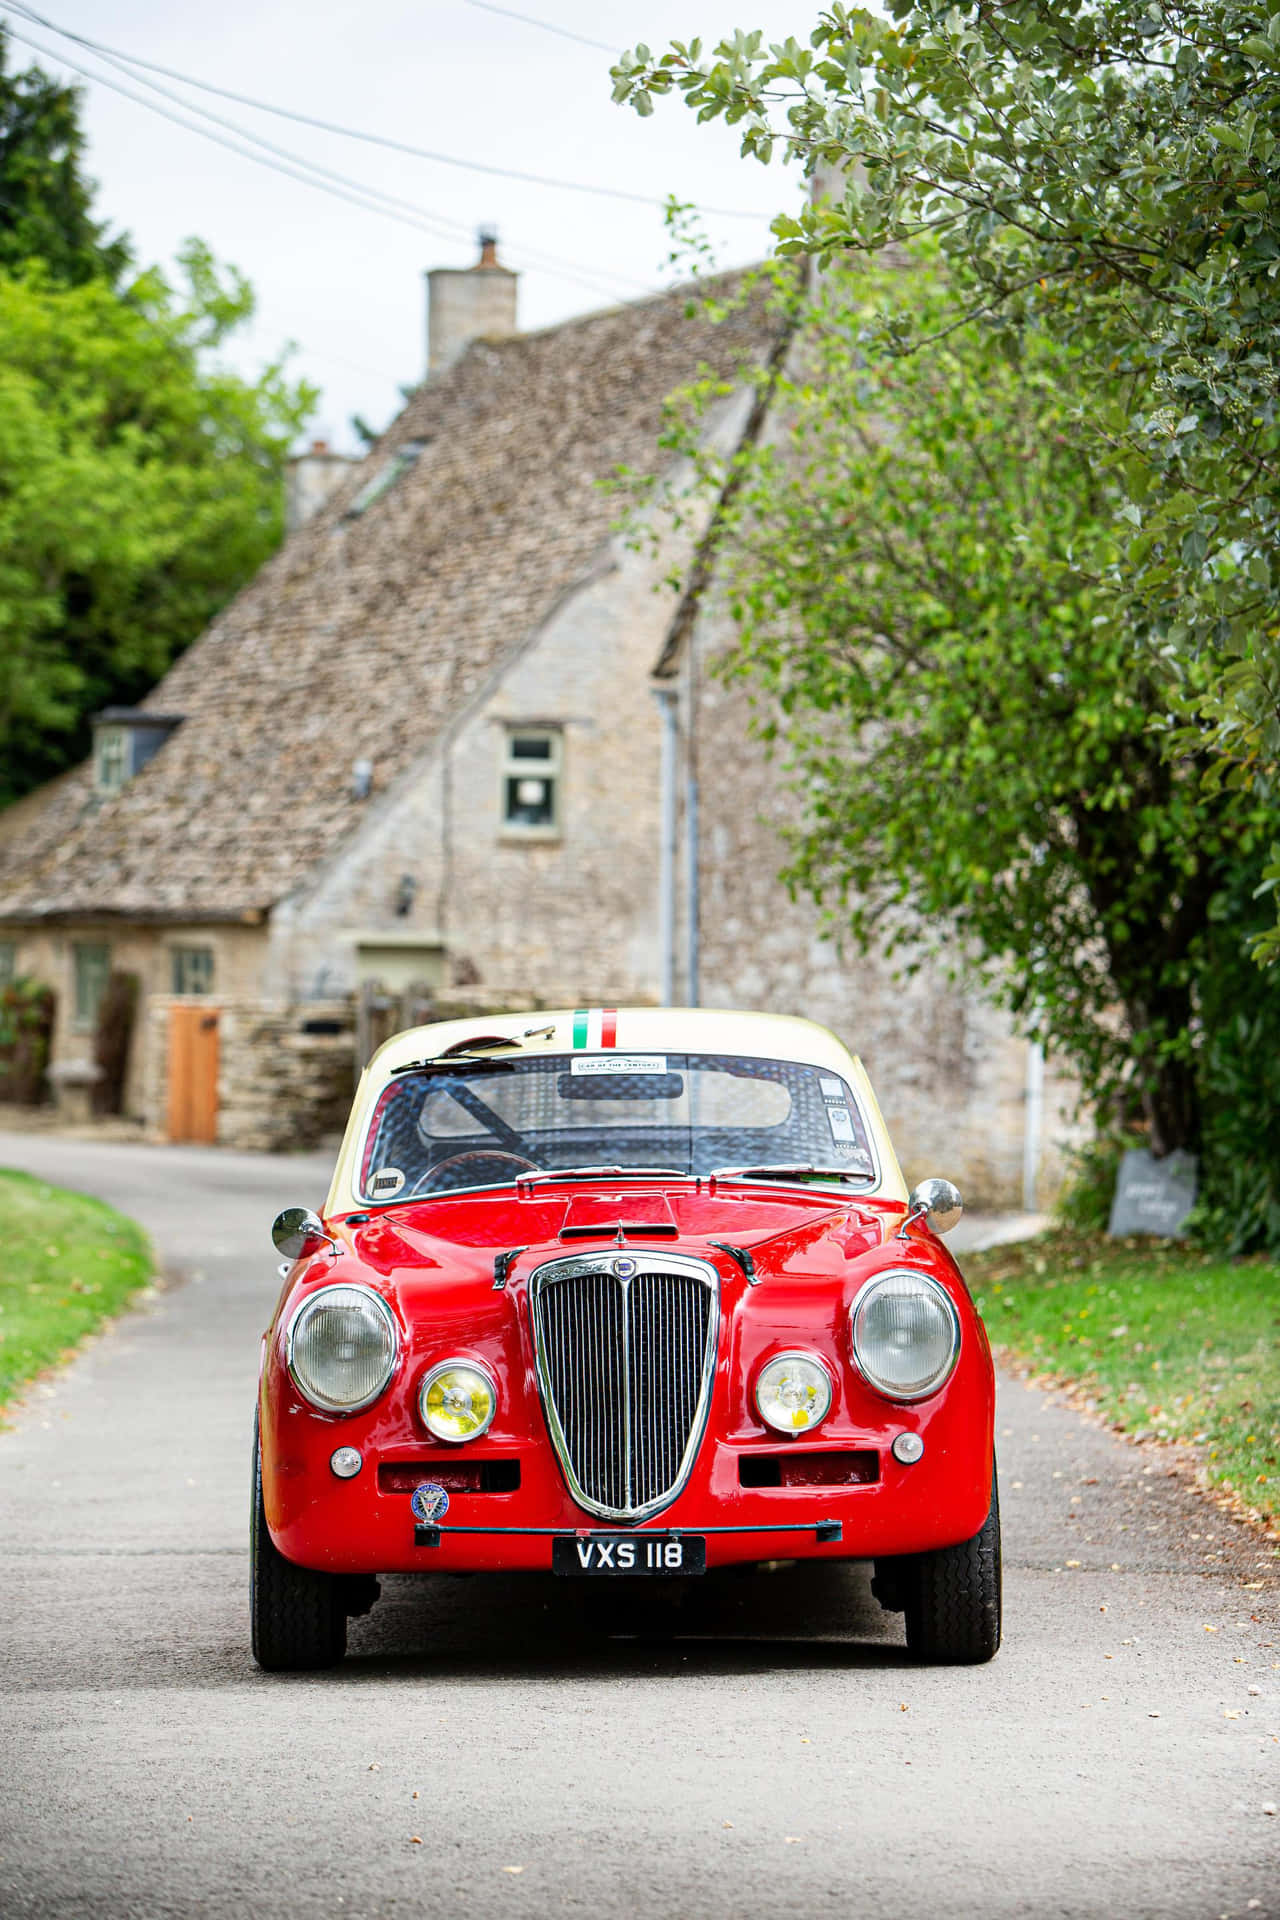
{"x": 762, "y": 1036}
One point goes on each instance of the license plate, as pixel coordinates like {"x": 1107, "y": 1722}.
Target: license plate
{"x": 629, "y": 1553}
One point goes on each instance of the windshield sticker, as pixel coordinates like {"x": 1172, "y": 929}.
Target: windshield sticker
{"x": 622, "y": 1063}
{"x": 833, "y": 1090}
{"x": 840, "y": 1124}
{"x": 387, "y": 1184}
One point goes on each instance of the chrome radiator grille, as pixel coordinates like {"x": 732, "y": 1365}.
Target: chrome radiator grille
{"x": 625, "y": 1362}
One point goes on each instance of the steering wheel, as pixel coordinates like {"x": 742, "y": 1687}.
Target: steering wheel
{"x": 474, "y": 1153}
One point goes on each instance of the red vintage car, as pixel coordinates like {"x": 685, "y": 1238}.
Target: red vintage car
{"x": 621, "y": 1294}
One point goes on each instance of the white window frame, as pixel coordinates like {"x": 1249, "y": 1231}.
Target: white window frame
{"x": 549, "y": 768}
{"x": 197, "y": 960}
{"x": 84, "y": 988}
{"x": 111, "y": 759}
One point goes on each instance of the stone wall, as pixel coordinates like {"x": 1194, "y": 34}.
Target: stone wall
{"x": 47, "y": 954}
{"x": 282, "y": 1085}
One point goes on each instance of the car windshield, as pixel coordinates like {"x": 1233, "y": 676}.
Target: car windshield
{"x": 484, "y": 1123}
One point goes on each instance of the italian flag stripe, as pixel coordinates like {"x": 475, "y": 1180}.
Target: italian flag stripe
{"x": 595, "y": 1027}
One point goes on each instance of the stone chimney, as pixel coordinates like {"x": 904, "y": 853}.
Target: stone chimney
{"x": 469, "y": 303}
{"x": 310, "y": 478}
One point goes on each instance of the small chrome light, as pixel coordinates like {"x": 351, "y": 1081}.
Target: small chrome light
{"x": 346, "y": 1462}
{"x": 793, "y": 1392}
{"x": 457, "y": 1400}
{"x": 908, "y": 1448}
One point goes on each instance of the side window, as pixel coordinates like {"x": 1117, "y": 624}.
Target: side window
{"x": 110, "y": 759}
{"x": 192, "y": 969}
{"x": 91, "y": 962}
{"x": 532, "y": 767}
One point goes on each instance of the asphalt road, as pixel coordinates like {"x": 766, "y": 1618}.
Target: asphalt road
{"x": 763, "y": 1748}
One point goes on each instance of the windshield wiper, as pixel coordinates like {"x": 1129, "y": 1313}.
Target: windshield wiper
{"x": 792, "y": 1171}
{"x": 603, "y": 1173}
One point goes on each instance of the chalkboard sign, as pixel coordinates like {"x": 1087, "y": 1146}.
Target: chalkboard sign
{"x": 1153, "y": 1196}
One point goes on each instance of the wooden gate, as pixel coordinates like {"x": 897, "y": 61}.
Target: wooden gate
{"x": 193, "y": 1074}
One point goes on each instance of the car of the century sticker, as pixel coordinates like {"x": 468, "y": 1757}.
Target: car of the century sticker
{"x": 626, "y": 1294}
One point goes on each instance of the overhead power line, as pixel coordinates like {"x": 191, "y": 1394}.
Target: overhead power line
{"x": 309, "y": 173}
{"x": 360, "y": 133}
{"x": 565, "y": 33}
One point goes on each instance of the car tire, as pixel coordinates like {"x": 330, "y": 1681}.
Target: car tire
{"x": 299, "y": 1621}
{"x": 952, "y": 1597}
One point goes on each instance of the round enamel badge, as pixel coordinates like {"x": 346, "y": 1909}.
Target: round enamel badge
{"x": 430, "y": 1502}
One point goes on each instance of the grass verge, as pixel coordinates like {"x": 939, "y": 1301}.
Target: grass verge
{"x": 1167, "y": 1341}
{"x": 69, "y": 1262}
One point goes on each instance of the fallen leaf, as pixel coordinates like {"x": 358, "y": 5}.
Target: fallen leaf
{"x": 375, "y": 1766}
{"x": 1073, "y": 1563}
{"x": 795, "y": 1839}
{"x": 1268, "y": 1806}
{"x": 1153, "y": 1716}
{"x": 1231, "y": 1713}
{"x": 415, "y": 1840}
{"x": 727, "y": 1823}
{"x": 415, "y": 1793}
{"x": 513, "y": 1869}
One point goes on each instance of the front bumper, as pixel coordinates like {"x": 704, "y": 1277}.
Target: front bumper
{"x": 354, "y": 1526}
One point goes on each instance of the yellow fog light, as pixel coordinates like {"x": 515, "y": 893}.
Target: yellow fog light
{"x": 793, "y": 1392}
{"x": 457, "y": 1400}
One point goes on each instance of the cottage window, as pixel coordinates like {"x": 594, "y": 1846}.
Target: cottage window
{"x": 110, "y": 759}
{"x": 192, "y": 969}
{"x": 8, "y": 961}
{"x": 531, "y": 772}
{"x": 91, "y": 960}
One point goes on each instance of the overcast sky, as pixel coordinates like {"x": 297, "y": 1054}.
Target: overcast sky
{"x": 345, "y": 284}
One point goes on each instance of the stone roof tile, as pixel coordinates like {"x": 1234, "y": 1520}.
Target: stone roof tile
{"x": 362, "y": 636}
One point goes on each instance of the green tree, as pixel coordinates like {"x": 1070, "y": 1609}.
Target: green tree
{"x": 914, "y": 568}
{"x": 140, "y": 485}
{"x": 45, "y": 200}
{"x": 1110, "y": 170}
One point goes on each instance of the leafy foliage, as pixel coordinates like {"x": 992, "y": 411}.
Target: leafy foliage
{"x": 139, "y": 486}
{"x": 913, "y": 568}
{"x": 45, "y": 200}
{"x": 26, "y": 1032}
{"x": 1108, "y": 170}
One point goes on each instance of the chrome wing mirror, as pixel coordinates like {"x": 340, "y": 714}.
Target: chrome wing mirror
{"x": 297, "y": 1232}
{"x": 936, "y": 1201}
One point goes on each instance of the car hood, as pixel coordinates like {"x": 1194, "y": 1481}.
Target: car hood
{"x": 459, "y": 1238}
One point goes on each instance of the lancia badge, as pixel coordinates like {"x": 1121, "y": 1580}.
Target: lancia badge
{"x": 430, "y": 1502}
{"x": 625, "y": 1269}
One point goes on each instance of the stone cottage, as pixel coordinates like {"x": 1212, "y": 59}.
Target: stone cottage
{"x": 457, "y": 732}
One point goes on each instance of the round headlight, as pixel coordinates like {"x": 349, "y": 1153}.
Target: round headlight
{"x": 342, "y": 1348}
{"x": 793, "y": 1392}
{"x": 457, "y": 1400}
{"x": 906, "y": 1335}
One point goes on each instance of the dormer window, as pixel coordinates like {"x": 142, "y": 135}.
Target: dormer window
{"x": 110, "y": 759}
{"x": 531, "y": 773}
{"x": 124, "y": 739}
